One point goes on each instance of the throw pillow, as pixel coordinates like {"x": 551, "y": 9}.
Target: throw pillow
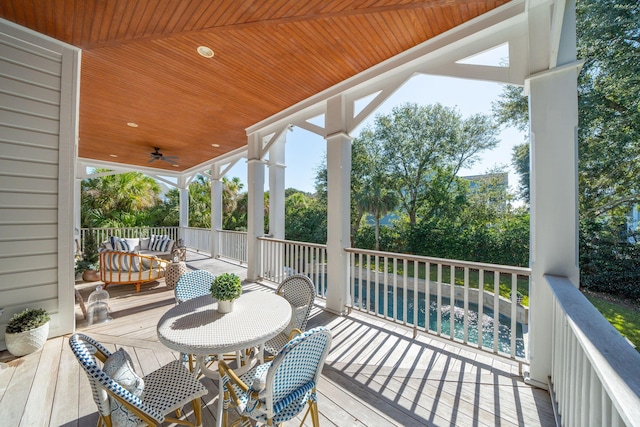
{"x": 158, "y": 242}
{"x": 144, "y": 243}
{"x": 119, "y": 244}
{"x": 119, "y": 367}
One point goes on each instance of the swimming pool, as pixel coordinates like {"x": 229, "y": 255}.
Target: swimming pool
{"x": 475, "y": 324}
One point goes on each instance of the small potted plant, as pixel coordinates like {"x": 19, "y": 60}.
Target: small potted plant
{"x": 89, "y": 264}
{"x": 226, "y": 288}
{"x": 27, "y": 331}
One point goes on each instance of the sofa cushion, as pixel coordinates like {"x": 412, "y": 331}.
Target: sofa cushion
{"x": 119, "y": 244}
{"x": 160, "y": 243}
{"x": 144, "y": 243}
{"x": 119, "y": 262}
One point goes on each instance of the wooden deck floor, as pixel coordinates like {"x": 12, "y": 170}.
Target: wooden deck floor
{"x": 376, "y": 374}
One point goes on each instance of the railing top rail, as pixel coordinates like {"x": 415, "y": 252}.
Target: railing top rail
{"x": 523, "y": 271}
{"x": 612, "y": 358}
{"x": 293, "y": 242}
{"x": 230, "y": 231}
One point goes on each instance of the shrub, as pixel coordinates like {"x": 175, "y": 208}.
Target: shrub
{"x": 27, "y": 319}
{"x": 226, "y": 287}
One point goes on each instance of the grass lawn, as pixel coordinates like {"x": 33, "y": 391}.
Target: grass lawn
{"x": 625, "y": 317}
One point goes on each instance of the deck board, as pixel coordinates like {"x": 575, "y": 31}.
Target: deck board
{"x": 377, "y": 373}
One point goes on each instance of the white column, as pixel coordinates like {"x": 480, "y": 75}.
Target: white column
{"x": 276, "y": 189}
{"x": 184, "y": 206}
{"x": 553, "y": 110}
{"x": 338, "y": 205}
{"x": 77, "y": 204}
{"x": 255, "y": 208}
{"x": 216, "y": 210}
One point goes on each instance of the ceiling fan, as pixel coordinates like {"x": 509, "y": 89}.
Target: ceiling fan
{"x": 157, "y": 155}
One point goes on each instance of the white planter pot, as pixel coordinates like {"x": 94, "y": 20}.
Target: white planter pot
{"x": 225, "y": 306}
{"x": 23, "y": 343}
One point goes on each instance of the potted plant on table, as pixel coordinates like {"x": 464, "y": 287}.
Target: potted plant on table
{"x": 226, "y": 288}
{"x": 27, "y": 331}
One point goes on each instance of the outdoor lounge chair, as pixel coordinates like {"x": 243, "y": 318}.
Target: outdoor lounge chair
{"x": 124, "y": 399}
{"x": 300, "y": 292}
{"x": 278, "y": 391}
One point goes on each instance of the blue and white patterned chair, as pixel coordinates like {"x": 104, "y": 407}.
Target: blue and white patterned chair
{"x": 301, "y": 293}
{"x": 149, "y": 401}
{"x": 278, "y": 391}
{"x": 193, "y": 284}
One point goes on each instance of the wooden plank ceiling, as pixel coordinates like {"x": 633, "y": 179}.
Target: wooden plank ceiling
{"x": 140, "y": 65}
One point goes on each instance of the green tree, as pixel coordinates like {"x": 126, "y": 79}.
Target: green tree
{"x": 422, "y": 143}
{"x": 118, "y": 200}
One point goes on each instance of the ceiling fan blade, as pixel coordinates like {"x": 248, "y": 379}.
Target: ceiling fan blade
{"x": 153, "y": 159}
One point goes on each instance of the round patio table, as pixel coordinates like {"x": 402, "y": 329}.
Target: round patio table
{"x": 196, "y": 327}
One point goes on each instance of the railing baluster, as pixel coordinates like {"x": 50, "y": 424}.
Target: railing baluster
{"x": 439, "y": 302}
{"x": 480, "y": 307}
{"x": 514, "y": 313}
{"x": 496, "y": 310}
{"x": 465, "y": 327}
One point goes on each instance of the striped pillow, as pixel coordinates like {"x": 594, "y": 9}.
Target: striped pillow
{"x": 159, "y": 243}
{"x": 119, "y": 244}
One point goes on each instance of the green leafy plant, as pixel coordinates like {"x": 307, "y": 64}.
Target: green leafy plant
{"x": 90, "y": 256}
{"x": 27, "y": 319}
{"x": 226, "y": 287}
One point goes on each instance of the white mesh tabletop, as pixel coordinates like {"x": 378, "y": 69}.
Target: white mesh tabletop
{"x": 196, "y": 326}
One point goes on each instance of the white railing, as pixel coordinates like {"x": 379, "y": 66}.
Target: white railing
{"x": 282, "y": 258}
{"x": 396, "y": 286}
{"x": 102, "y": 234}
{"x": 595, "y": 372}
{"x": 198, "y": 239}
{"x": 233, "y": 245}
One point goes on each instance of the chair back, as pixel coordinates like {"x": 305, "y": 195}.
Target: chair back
{"x": 193, "y": 284}
{"x": 86, "y": 350}
{"x": 296, "y": 369}
{"x": 299, "y": 290}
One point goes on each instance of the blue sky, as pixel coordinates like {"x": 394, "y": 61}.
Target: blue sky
{"x": 304, "y": 151}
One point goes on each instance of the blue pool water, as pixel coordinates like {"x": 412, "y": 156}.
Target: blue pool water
{"x": 486, "y": 324}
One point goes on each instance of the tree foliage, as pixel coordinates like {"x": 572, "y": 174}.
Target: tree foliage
{"x": 608, "y": 39}
{"x": 425, "y": 147}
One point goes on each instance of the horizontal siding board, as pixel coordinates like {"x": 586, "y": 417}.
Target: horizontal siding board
{"x": 34, "y": 185}
{"x": 26, "y": 74}
{"x": 26, "y": 247}
{"x": 48, "y": 64}
{"x": 28, "y": 216}
{"x": 27, "y": 144}
{"x": 43, "y": 170}
{"x": 29, "y": 121}
{"x": 26, "y": 90}
{"x": 31, "y": 42}
{"x": 17, "y": 296}
{"x": 30, "y": 106}
{"x": 27, "y": 200}
{"x": 29, "y": 263}
{"x": 37, "y": 232}
{"x": 16, "y": 278}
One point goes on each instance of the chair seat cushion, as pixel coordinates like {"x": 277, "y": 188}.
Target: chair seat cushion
{"x": 171, "y": 387}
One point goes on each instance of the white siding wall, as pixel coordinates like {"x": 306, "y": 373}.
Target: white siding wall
{"x": 38, "y": 130}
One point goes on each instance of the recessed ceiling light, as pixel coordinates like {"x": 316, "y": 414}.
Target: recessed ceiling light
{"x": 215, "y": 145}
{"x": 176, "y": 166}
{"x": 205, "y": 51}
{"x": 133, "y": 125}
{"x": 113, "y": 155}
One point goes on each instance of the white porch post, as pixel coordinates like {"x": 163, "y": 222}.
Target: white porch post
{"x": 216, "y": 210}
{"x": 184, "y": 206}
{"x": 338, "y": 205}
{"x": 553, "y": 112}
{"x": 255, "y": 208}
{"x": 276, "y": 189}
{"x": 77, "y": 204}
